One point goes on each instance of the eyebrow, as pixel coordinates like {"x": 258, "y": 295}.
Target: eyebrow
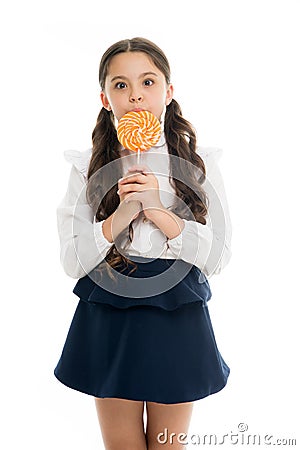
{"x": 123, "y": 77}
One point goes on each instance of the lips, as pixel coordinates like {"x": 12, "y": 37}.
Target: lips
{"x": 137, "y": 109}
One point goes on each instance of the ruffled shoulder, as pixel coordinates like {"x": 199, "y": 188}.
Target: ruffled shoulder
{"x": 80, "y": 159}
{"x": 210, "y": 152}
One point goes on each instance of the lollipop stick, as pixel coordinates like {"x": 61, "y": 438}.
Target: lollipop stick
{"x": 138, "y": 156}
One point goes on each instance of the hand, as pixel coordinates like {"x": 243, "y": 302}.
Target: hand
{"x": 141, "y": 186}
{"x": 134, "y": 207}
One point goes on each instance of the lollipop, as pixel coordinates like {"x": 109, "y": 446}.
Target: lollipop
{"x": 138, "y": 131}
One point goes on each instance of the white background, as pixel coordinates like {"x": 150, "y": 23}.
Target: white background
{"x": 235, "y": 67}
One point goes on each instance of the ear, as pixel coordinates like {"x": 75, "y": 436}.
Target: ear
{"x": 105, "y": 101}
{"x": 169, "y": 94}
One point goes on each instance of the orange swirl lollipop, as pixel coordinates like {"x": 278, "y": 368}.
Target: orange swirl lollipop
{"x": 138, "y": 131}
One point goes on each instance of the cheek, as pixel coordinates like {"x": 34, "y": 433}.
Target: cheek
{"x": 158, "y": 96}
{"x": 163, "y": 94}
{"x": 118, "y": 98}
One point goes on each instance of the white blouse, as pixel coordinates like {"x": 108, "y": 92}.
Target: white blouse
{"x": 83, "y": 245}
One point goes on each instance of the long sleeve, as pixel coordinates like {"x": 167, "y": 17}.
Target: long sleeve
{"x": 207, "y": 246}
{"x": 82, "y": 243}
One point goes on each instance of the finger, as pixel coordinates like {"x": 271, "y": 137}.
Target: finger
{"x": 137, "y": 178}
{"x": 129, "y": 188}
{"x": 128, "y": 176}
{"x": 139, "y": 167}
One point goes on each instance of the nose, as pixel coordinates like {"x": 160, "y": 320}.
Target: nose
{"x": 135, "y": 97}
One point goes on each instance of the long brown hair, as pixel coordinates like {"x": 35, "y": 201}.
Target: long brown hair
{"x": 181, "y": 141}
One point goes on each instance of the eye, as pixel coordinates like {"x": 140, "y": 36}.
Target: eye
{"x": 148, "y": 82}
{"x": 120, "y": 85}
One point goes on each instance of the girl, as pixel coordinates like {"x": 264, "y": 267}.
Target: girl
{"x": 143, "y": 239}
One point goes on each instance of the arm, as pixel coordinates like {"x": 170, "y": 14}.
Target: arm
{"x": 205, "y": 246}
{"x": 168, "y": 222}
{"x": 120, "y": 219}
{"x": 82, "y": 243}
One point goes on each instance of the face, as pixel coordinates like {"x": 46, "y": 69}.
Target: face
{"x": 133, "y": 82}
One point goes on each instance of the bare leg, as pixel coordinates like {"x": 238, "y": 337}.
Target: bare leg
{"x": 121, "y": 423}
{"x": 174, "y": 417}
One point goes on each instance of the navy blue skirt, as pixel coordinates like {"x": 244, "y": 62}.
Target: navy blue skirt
{"x": 159, "y": 347}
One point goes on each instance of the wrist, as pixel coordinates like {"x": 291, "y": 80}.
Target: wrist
{"x": 120, "y": 219}
{"x": 168, "y": 222}
{"x": 154, "y": 210}
{"x": 128, "y": 210}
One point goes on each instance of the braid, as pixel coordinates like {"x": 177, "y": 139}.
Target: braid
{"x": 181, "y": 140}
{"x": 105, "y": 143}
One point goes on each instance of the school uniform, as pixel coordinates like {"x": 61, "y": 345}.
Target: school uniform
{"x": 147, "y": 336}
